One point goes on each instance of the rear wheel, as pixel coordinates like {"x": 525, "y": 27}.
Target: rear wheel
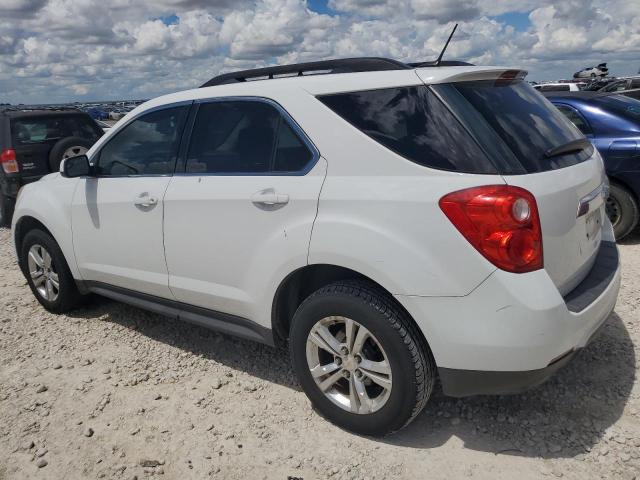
{"x": 360, "y": 358}
{"x": 622, "y": 210}
{"x": 47, "y": 273}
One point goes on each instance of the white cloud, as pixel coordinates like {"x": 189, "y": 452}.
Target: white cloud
{"x": 56, "y": 50}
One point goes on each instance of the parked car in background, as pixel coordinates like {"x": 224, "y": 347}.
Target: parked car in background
{"x": 626, "y": 86}
{"x": 104, "y": 125}
{"x": 592, "y": 72}
{"x": 612, "y": 123}
{"x": 557, "y": 87}
{"x": 33, "y": 142}
{"x": 394, "y": 225}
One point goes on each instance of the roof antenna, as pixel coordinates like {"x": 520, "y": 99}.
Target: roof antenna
{"x": 446, "y": 45}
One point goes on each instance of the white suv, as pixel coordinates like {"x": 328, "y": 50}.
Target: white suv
{"x": 391, "y": 224}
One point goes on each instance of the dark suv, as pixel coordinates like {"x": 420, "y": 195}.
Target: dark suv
{"x": 33, "y": 142}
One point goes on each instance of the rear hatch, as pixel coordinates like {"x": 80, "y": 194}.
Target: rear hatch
{"x": 535, "y": 147}
{"x": 34, "y": 135}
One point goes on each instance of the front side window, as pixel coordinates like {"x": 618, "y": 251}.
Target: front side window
{"x": 244, "y": 137}
{"x": 146, "y": 146}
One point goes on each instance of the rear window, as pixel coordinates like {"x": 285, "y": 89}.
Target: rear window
{"x": 26, "y": 130}
{"x": 415, "y": 124}
{"x": 520, "y": 118}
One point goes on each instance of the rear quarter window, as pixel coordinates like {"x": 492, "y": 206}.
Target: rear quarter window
{"x": 414, "y": 123}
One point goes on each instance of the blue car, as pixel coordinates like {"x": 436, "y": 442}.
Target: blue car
{"x": 612, "y": 123}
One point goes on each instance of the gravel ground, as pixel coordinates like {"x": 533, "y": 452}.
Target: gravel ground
{"x": 111, "y": 391}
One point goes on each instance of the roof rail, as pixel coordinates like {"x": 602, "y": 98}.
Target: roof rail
{"x": 342, "y": 65}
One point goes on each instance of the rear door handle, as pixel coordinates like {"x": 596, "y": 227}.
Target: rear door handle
{"x": 145, "y": 201}
{"x": 269, "y": 197}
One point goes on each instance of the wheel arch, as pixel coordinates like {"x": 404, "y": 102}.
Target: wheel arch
{"x": 23, "y": 226}
{"x": 302, "y": 282}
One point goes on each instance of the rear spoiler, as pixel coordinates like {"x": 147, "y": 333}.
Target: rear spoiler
{"x": 465, "y": 74}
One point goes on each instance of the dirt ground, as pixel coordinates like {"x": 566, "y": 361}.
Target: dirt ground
{"x": 111, "y": 391}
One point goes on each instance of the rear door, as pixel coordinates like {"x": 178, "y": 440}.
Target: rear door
{"x": 568, "y": 186}
{"x": 239, "y": 217}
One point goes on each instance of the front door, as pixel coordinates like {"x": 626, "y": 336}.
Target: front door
{"x": 239, "y": 218}
{"x": 117, "y": 214}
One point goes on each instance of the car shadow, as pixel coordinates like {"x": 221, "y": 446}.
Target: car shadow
{"x": 564, "y": 417}
{"x": 632, "y": 239}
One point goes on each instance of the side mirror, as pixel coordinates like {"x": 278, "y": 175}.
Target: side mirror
{"x": 73, "y": 167}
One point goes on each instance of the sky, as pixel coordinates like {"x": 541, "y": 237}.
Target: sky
{"x": 55, "y": 51}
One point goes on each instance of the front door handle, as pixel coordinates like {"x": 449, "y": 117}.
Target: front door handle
{"x": 145, "y": 201}
{"x": 269, "y": 197}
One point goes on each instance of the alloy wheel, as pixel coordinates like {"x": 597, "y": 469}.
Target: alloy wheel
{"x": 349, "y": 365}
{"x": 43, "y": 273}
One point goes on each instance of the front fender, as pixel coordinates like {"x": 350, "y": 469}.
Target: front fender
{"x": 49, "y": 202}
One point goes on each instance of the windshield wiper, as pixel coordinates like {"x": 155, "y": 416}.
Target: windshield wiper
{"x": 569, "y": 147}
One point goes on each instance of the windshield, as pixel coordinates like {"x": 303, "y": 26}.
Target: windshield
{"x": 522, "y": 119}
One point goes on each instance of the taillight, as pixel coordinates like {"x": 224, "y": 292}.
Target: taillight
{"x": 501, "y": 222}
{"x": 8, "y": 161}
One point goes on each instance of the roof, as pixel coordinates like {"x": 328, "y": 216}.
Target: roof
{"x": 30, "y": 111}
{"x": 329, "y": 83}
{"x": 341, "y": 65}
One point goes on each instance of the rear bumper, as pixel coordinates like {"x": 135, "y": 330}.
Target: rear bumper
{"x": 514, "y": 331}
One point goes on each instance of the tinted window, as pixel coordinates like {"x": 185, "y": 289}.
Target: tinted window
{"x": 635, "y": 83}
{"x": 575, "y": 118}
{"x": 52, "y": 128}
{"x": 414, "y": 123}
{"x": 146, "y": 146}
{"x": 524, "y": 121}
{"x": 291, "y": 153}
{"x": 244, "y": 137}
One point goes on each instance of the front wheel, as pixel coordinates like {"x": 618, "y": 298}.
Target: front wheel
{"x": 47, "y": 273}
{"x": 622, "y": 210}
{"x": 360, "y": 358}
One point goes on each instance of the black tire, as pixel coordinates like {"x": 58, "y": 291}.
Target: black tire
{"x": 412, "y": 366}
{"x": 68, "y": 296}
{"x": 57, "y": 151}
{"x": 6, "y": 210}
{"x": 623, "y": 211}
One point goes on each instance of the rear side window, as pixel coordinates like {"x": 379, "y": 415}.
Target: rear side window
{"x": 52, "y": 128}
{"x": 244, "y": 137}
{"x": 146, "y": 146}
{"x": 524, "y": 121}
{"x": 415, "y": 124}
